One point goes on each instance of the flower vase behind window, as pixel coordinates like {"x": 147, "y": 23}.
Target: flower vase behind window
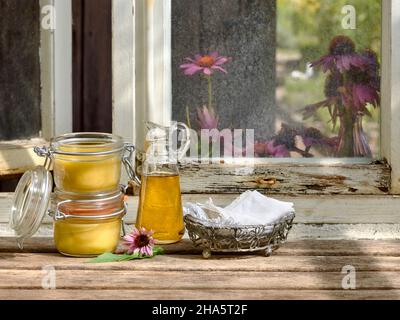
{"x": 351, "y": 88}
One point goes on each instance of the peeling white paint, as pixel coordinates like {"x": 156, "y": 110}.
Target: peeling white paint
{"x": 346, "y": 231}
{"x": 299, "y": 231}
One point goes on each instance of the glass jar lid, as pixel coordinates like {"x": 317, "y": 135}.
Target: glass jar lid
{"x": 30, "y": 203}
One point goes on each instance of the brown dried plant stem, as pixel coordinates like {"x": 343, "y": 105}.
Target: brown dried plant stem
{"x": 346, "y": 143}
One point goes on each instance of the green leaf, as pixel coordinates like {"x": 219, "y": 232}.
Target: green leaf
{"x": 112, "y": 257}
{"x": 158, "y": 250}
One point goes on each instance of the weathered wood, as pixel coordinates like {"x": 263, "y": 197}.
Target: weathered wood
{"x": 299, "y": 270}
{"x": 124, "y": 88}
{"x": 92, "y": 67}
{"x": 351, "y": 179}
{"x": 35, "y": 245}
{"x": 309, "y": 209}
{"x": 152, "y": 65}
{"x": 340, "y": 232}
{"x": 342, "y": 248}
{"x": 298, "y": 232}
{"x": 359, "y": 180}
{"x": 318, "y": 209}
{"x": 193, "y": 280}
{"x": 62, "y": 68}
{"x": 123, "y": 66}
{"x": 389, "y": 248}
{"x": 16, "y": 157}
{"x": 229, "y": 263}
{"x": 390, "y": 117}
{"x": 209, "y": 294}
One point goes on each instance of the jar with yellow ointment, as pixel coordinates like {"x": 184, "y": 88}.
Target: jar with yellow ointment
{"x": 83, "y": 225}
{"x": 86, "y": 162}
{"x": 87, "y": 226}
{"x": 87, "y": 205}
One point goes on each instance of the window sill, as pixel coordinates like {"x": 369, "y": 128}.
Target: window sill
{"x": 311, "y": 209}
{"x": 18, "y": 156}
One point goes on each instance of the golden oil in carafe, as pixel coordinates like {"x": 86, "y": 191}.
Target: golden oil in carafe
{"x": 160, "y": 207}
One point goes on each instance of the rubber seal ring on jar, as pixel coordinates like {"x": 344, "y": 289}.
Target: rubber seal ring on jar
{"x": 59, "y": 215}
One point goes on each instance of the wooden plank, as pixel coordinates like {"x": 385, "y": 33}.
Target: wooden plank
{"x": 309, "y": 209}
{"x": 279, "y": 263}
{"x": 328, "y": 209}
{"x": 342, "y": 248}
{"x": 124, "y": 114}
{"x": 298, "y": 232}
{"x": 152, "y": 50}
{"x": 16, "y": 157}
{"x": 339, "y": 232}
{"x": 77, "y": 64}
{"x": 158, "y": 61}
{"x": 63, "y": 68}
{"x": 32, "y": 245}
{"x": 141, "y": 68}
{"x": 209, "y": 294}
{"x": 390, "y": 116}
{"x": 5, "y": 206}
{"x": 123, "y": 66}
{"x": 192, "y": 280}
{"x": 47, "y": 73}
{"x": 390, "y": 248}
{"x": 321, "y": 209}
{"x": 92, "y": 66}
{"x": 296, "y": 179}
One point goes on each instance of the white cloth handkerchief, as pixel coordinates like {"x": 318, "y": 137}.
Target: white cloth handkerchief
{"x": 251, "y": 208}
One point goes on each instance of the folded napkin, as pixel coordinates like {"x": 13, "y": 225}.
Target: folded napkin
{"x": 251, "y": 208}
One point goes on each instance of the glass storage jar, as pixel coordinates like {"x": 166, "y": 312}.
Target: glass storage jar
{"x": 83, "y": 225}
{"x": 86, "y": 162}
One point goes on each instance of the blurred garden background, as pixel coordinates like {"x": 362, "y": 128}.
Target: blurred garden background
{"x": 304, "y": 31}
{"x": 247, "y": 64}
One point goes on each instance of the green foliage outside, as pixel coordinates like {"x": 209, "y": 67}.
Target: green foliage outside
{"x": 309, "y": 25}
{"x": 305, "y": 29}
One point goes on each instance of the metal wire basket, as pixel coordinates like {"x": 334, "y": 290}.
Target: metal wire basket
{"x": 265, "y": 238}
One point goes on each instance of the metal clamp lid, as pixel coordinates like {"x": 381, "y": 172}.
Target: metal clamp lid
{"x": 127, "y": 159}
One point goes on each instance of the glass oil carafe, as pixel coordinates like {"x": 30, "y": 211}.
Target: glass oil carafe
{"x": 160, "y": 204}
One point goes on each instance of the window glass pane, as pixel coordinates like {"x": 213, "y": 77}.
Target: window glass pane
{"x": 304, "y": 74}
{"x": 20, "y": 115}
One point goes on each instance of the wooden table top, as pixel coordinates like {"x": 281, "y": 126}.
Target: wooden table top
{"x": 298, "y": 270}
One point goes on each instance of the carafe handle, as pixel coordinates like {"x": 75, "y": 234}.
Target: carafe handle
{"x": 185, "y": 141}
{"x": 127, "y": 158}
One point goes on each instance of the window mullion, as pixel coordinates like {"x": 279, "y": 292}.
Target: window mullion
{"x": 153, "y": 64}
{"x": 390, "y": 123}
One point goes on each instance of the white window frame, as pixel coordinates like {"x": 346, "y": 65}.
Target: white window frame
{"x": 134, "y": 58}
{"x": 56, "y": 91}
{"x": 137, "y": 23}
{"x": 390, "y": 123}
{"x": 141, "y": 60}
